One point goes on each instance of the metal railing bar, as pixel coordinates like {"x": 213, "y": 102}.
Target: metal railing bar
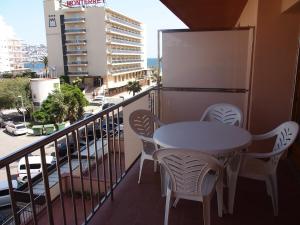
{"x": 81, "y": 174}
{"x": 97, "y": 160}
{"x": 60, "y": 182}
{"x": 113, "y": 145}
{"x": 89, "y": 167}
{"x": 12, "y": 197}
{"x": 46, "y": 185}
{"x": 109, "y": 158}
{"x": 103, "y": 154}
{"x": 199, "y": 89}
{"x": 30, "y": 189}
{"x": 119, "y": 141}
{"x": 71, "y": 178}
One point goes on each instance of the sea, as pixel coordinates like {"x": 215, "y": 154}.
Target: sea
{"x": 38, "y": 67}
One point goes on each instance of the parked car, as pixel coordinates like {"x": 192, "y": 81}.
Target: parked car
{"x": 62, "y": 147}
{"x": 4, "y": 192}
{"x": 35, "y": 164}
{"x": 108, "y": 105}
{"x": 98, "y": 100}
{"x": 86, "y": 115}
{"x": 16, "y": 128}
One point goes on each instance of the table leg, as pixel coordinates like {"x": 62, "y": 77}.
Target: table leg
{"x": 232, "y": 176}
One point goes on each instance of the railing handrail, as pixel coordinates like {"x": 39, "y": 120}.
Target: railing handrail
{"x": 59, "y": 134}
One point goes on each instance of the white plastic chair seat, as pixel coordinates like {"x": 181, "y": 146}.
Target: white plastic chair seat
{"x": 256, "y": 168}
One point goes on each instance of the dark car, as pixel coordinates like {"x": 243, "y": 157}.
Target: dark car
{"x": 62, "y": 148}
{"x": 107, "y": 105}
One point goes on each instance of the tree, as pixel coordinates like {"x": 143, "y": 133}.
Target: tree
{"x": 134, "y": 87}
{"x": 155, "y": 77}
{"x": 10, "y": 89}
{"x": 65, "y": 104}
{"x": 45, "y": 61}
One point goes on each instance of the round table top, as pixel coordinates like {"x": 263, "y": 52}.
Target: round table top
{"x": 212, "y": 137}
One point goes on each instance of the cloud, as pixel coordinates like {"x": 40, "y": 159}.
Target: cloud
{"x": 7, "y": 32}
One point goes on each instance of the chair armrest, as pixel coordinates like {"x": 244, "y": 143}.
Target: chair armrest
{"x": 264, "y": 136}
{"x": 261, "y": 155}
{"x": 148, "y": 139}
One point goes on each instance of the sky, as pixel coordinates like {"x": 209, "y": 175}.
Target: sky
{"x": 26, "y": 17}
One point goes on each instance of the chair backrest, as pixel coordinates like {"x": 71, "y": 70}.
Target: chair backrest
{"x": 286, "y": 134}
{"x": 187, "y": 169}
{"x": 142, "y": 122}
{"x": 224, "y": 113}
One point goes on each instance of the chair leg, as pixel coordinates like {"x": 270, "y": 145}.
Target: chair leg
{"x": 167, "y": 207}
{"x": 155, "y": 166}
{"x": 176, "y": 202}
{"x": 272, "y": 183}
{"x": 141, "y": 167}
{"x": 219, "y": 189}
{"x": 206, "y": 210}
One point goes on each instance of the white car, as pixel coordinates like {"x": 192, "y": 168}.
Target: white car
{"x": 35, "y": 165}
{"x": 4, "y": 192}
{"x": 16, "y": 129}
{"x": 98, "y": 100}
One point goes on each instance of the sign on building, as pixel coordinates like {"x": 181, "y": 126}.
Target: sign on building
{"x": 83, "y": 3}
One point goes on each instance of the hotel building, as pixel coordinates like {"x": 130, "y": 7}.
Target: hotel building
{"x": 86, "y": 39}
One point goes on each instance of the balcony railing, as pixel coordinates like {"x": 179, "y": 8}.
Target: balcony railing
{"x": 112, "y": 18}
{"x": 126, "y": 61}
{"x": 77, "y": 19}
{"x": 125, "y": 51}
{"x": 116, "y": 40}
{"x": 124, "y": 32}
{"x": 78, "y": 63}
{"x": 125, "y": 69}
{"x": 83, "y": 177}
{"x": 78, "y": 73}
{"x": 76, "y": 42}
{"x": 76, "y": 52}
{"x": 75, "y": 30}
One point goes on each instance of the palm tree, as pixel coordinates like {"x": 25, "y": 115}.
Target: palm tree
{"x": 45, "y": 61}
{"x": 134, "y": 87}
{"x": 155, "y": 77}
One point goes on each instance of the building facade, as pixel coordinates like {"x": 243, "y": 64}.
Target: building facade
{"x": 104, "y": 47}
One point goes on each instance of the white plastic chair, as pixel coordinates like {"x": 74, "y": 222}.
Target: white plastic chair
{"x": 193, "y": 175}
{"x": 263, "y": 166}
{"x": 224, "y": 113}
{"x": 142, "y": 123}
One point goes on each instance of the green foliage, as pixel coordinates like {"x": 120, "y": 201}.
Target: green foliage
{"x": 45, "y": 61}
{"x": 28, "y": 74}
{"x": 65, "y": 104}
{"x": 7, "y": 75}
{"x": 134, "y": 87}
{"x": 78, "y": 82}
{"x": 10, "y": 89}
{"x": 155, "y": 77}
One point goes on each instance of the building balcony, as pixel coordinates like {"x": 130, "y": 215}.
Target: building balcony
{"x": 75, "y": 42}
{"x": 124, "y": 23}
{"x": 123, "y": 32}
{"x": 75, "y": 31}
{"x": 74, "y": 20}
{"x": 76, "y": 73}
{"x": 97, "y": 183}
{"x": 124, "y": 52}
{"x": 126, "y": 61}
{"x": 117, "y": 71}
{"x": 124, "y": 42}
{"x": 78, "y": 63}
{"x": 76, "y": 52}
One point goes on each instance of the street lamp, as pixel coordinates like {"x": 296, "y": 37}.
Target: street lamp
{"x": 23, "y": 109}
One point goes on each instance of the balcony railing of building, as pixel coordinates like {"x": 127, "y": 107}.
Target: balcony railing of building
{"x": 116, "y": 61}
{"x": 120, "y": 21}
{"x": 83, "y": 177}
{"x": 120, "y": 41}
{"x": 125, "y": 51}
{"x": 78, "y": 73}
{"x": 77, "y": 63}
{"x": 75, "y": 52}
{"x": 76, "y": 42}
{"x": 121, "y": 70}
{"x": 74, "y": 20}
{"x": 75, "y": 30}
{"x": 124, "y": 32}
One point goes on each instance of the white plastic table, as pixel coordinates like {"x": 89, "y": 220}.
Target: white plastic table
{"x": 215, "y": 138}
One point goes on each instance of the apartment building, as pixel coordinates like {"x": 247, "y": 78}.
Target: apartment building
{"x": 86, "y": 39}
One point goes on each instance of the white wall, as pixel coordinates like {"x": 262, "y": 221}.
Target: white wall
{"x": 41, "y": 88}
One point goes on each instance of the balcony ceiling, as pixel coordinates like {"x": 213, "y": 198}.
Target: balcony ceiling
{"x": 207, "y": 14}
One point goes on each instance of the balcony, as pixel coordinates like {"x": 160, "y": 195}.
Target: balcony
{"x": 76, "y": 42}
{"x": 76, "y": 52}
{"x": 124, "y": 52}
{"x": 75, "y": 31}
{"x": 78, "y": 63}
{"x": 98, "y": 183}
{"x": 117, "y": 71}
{"x": 124, "y": 42}
{"x": 124, "y": 23}
{"x": 124, "y": 32}
{"x": 125, "y": 61}
{"x": 75, "y": 73}
{"x": 74, "y": 20}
